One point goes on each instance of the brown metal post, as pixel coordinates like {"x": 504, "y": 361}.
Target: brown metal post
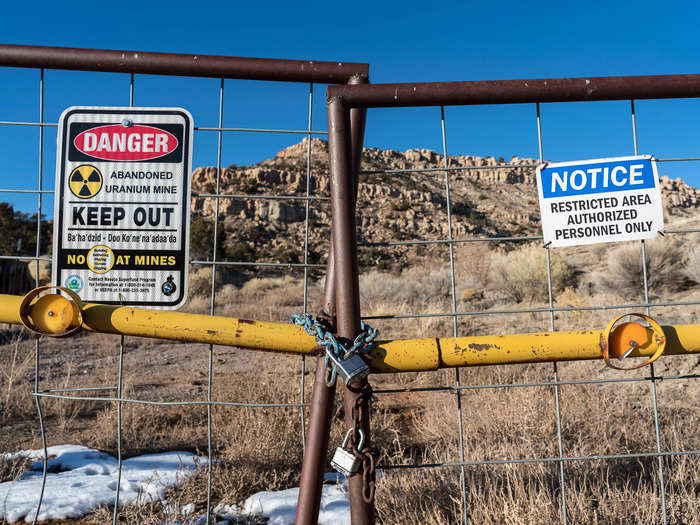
{"x": 358, "y": 117}
{"x": 322, "y": 397}
{"x": 313, "y": 466}
{"x": 346, "y": 283}
{"x": 361, "y": 512}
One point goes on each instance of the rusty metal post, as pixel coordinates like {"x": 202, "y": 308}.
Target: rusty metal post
{"x": 313, "y": 466}
{"x": 322, "y": 397}
{"x": 361, "y": 511}
{"x": 346, "y": 282}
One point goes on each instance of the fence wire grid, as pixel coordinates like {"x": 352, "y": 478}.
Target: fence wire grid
{"x": 456, "y": 386}
{"x": 114, "y": 394}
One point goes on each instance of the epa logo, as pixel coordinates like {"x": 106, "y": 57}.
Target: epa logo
{"x": 74, "y": 283}
{"x": 168, "y": 287}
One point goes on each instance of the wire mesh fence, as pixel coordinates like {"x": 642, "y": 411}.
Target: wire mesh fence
{"x": 304, "y": 264}
{"x": 466, "y": 471}
{"x": 562, "y": 455}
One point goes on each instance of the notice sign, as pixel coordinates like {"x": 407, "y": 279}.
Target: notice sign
{"x": 121, "y": 220}
{"x": 600, "y": 200}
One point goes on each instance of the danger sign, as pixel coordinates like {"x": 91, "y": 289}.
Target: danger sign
{"x": 119, "y": 143}
{"x": 600, "y": 200}
{"x": 122, "y": 205}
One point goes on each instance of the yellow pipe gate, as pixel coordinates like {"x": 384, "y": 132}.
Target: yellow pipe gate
{"x": 401, "y": 355}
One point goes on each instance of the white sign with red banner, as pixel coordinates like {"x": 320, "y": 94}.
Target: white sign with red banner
{"x": 121, "y": 218}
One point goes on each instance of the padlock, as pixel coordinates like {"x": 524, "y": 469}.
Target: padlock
{"x": 351, "y": 369}
{"x": 344, "y": 461}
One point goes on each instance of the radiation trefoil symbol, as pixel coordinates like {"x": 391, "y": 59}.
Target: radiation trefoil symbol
{"x": 85, "y": 181}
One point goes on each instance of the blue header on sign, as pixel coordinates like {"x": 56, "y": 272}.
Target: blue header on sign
{"x": 598, "y": 177}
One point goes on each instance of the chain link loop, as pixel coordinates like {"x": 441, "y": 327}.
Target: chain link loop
{"x": 367, "y": 455}
{"x": 319, "y": 329}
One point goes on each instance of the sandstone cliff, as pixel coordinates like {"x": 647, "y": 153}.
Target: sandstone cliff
{"x": 486, "y": 201}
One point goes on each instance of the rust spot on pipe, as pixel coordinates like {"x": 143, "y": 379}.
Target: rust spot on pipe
{"x": 212, "y": 332}
{"x": 246, "y": 321}
{"x": 481, "y": 347}
{"x": 603, "y": 343}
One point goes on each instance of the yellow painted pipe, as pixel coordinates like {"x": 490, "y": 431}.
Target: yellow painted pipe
{"x": 9, "y": 309}
{"x": 403, "y": 355}
{"x": 431, "y": 354}
{"x": 178, "y": 326}
{"x": 161, "y": 324}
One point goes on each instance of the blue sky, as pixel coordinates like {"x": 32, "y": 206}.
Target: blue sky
{"x": 402, "y": 41}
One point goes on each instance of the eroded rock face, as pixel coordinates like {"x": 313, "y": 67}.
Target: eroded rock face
{"x": 490, "y": 197}
{"x": 678, "y": 196}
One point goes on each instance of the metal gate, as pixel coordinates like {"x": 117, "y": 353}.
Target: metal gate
{"x": 134, "y": 68}
{"x": 537, "y": 92}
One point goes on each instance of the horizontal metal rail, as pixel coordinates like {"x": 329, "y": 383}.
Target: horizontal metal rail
{"x": 401, "y": 355}
{"x": 532, "y": 384}
{"x": 261, "y": 264}
{"x": 452, "y": 168}
{"x": 541, "y": 310}
{"x": 536, "y": 90}
{"x": 263, "y": 130}
{"x": 170, "y": 403}
{"x": 196, "y": 128}
{"x": 596, "y": 457}
{"x": 140, "y": 62}
{"x": 253, "y": 196}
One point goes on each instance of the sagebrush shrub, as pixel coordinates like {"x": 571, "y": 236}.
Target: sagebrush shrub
{"x": 665, "y": 263}
{"x": 200, "y": 282}
{"x": 521, "y": 275}
{"x": 692, "y": 269}
{"x": 413, "y": 287}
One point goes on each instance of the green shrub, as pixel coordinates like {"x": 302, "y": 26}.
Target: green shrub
{"x": 200, "y": 282}
{"x": 201, "y": 238}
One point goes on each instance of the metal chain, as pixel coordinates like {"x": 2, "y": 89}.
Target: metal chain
{"x": 320, "y": 330}
{"x": 362, "y": 344}
{"x": 368, "y": 455}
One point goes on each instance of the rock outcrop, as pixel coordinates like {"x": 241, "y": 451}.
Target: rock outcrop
{"x": 489, "y": 197}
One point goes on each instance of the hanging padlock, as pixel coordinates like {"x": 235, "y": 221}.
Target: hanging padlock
{"x": 344, "y": 461}
{"x": 351, "y": 368}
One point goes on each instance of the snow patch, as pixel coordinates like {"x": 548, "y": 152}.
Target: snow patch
{"x": 280, "y": 506}
{"x": 80, "y": 479}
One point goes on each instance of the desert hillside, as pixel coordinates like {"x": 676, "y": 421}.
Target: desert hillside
{"x": 487, "y": 200}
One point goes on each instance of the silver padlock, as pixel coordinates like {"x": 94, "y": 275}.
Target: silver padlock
{"x": 344, "y": 461}
{"x": 350, "y": 369}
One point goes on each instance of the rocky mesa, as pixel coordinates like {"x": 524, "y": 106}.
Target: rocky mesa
{"x": 489, "y": 197}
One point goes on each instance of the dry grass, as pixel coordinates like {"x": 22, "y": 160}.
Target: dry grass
{"x": 11, "y": 468}
{"x": 522, "y": 274}
{"x": 666, "y": 261}
{"x": 260, "y": 448}
{"x": 16, "y": 368}
{"x": 693, "y": 266}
